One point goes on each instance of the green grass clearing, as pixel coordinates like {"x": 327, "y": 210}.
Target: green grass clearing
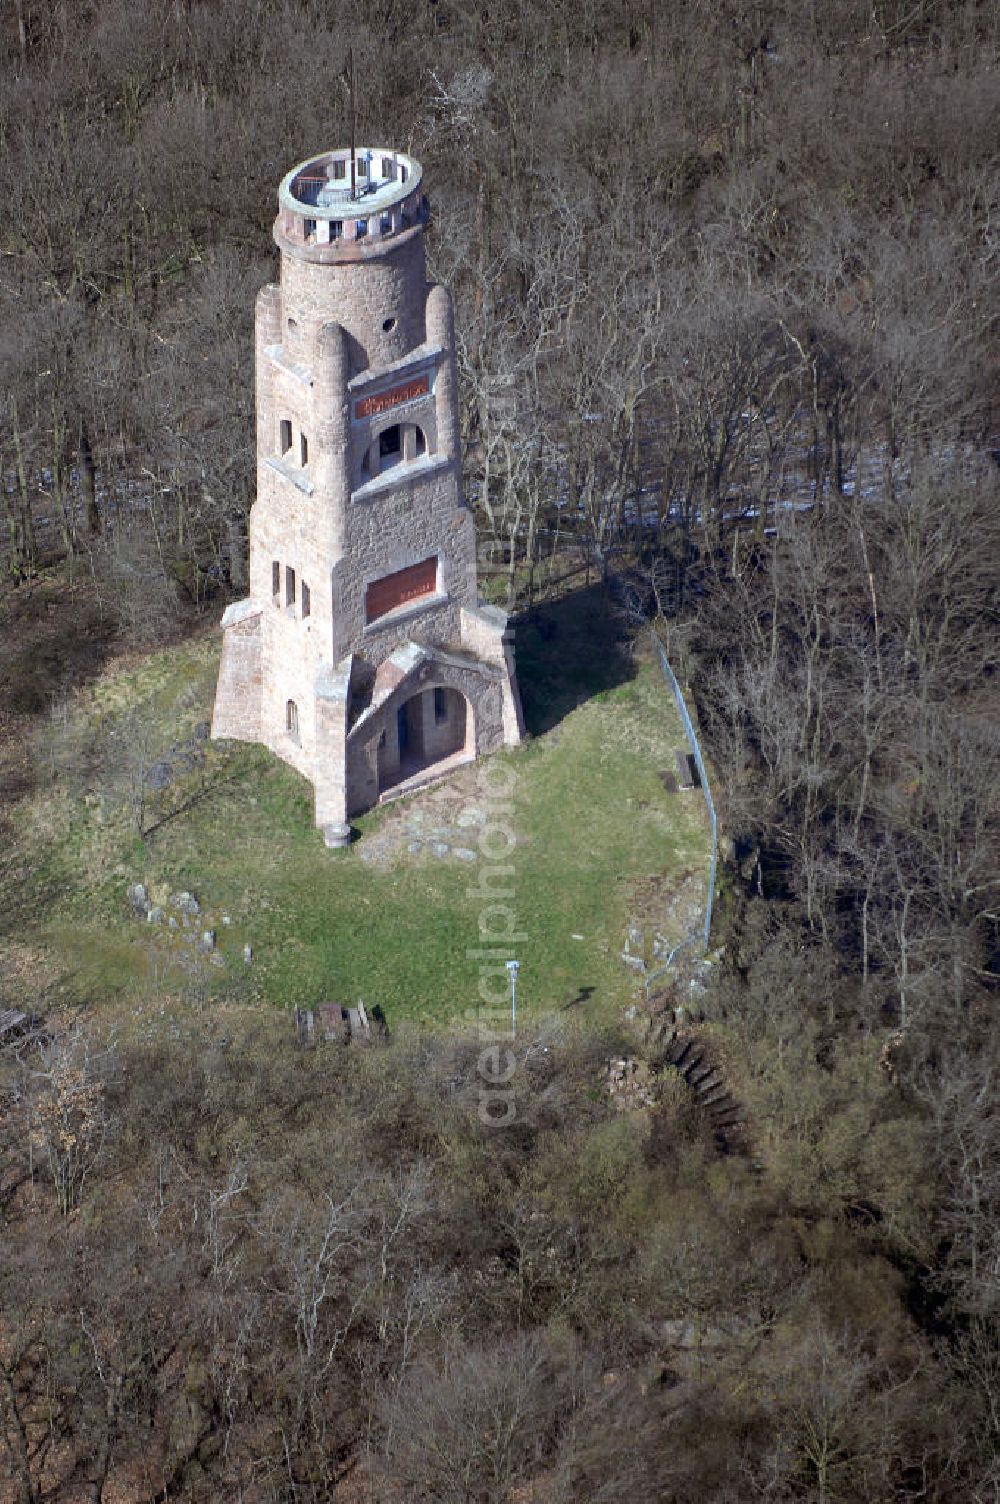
{"x": 596, "y": 836}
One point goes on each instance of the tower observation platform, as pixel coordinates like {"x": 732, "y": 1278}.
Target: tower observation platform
{"x": 345, "y": 198}
{"x": 362, "y": 655}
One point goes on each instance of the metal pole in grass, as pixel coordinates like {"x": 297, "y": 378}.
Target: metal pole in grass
{"x": 513, "y": 968}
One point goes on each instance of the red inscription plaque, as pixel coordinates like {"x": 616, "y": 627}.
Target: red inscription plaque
{"x": 369, "y": 406}
{"x": 394, "y": 590}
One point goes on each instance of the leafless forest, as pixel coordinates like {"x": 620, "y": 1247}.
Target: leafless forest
{"x": 726, "y": 285}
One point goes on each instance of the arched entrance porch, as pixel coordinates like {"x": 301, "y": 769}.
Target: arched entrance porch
{"x": 427, "y": 732}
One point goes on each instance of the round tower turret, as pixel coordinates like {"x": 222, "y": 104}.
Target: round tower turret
{"x": 350, "y": 232}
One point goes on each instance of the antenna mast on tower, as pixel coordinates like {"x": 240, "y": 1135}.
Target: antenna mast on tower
{"x": 349, "y": 79}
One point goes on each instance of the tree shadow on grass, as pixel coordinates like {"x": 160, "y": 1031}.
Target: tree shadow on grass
{"x": 191, "y": 802}
{"x": 54, "y": 637}
{"x": 567, "y": 651}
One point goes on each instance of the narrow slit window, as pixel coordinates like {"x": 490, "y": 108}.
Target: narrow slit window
{"x": 306, "y": 600}
{"x": 276, "y": 579}
{"x": 289, "y": 587}
{"x": 292, "y": 720}
{"x": 440, "y": 706}
{"x": 285, "y": 435}
{"x": 303, "y": 449}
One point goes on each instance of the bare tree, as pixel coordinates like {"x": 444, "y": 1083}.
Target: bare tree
{"x": 69, "y": 1118}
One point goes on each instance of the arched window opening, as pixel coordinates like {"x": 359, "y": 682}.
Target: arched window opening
{"x": 292, "y": 720}
{"x": 398, "y": 444}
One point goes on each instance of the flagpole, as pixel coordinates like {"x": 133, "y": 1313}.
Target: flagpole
{"x": 350, "y": 87}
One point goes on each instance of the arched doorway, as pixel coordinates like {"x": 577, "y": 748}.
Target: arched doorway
{"x": 434, "y": 727}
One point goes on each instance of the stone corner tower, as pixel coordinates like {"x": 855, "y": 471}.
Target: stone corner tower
{"x": 362, "y": 656}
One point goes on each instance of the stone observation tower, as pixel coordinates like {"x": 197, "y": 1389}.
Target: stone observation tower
{"x": 362, "y": 656}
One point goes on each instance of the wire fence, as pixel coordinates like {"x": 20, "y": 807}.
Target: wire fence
{"x": 700, "y": 936}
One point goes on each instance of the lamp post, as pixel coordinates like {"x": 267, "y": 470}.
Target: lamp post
{"x": 513, "y": 968}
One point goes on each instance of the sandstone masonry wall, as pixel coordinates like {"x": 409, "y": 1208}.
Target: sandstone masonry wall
{"x": 363, "y": 297}
{"x": 237, "y": 710}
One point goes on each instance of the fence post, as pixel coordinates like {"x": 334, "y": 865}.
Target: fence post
{"x": 699, "y": 762}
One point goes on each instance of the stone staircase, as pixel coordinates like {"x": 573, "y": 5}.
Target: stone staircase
{"x": 681, "y": 1049}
